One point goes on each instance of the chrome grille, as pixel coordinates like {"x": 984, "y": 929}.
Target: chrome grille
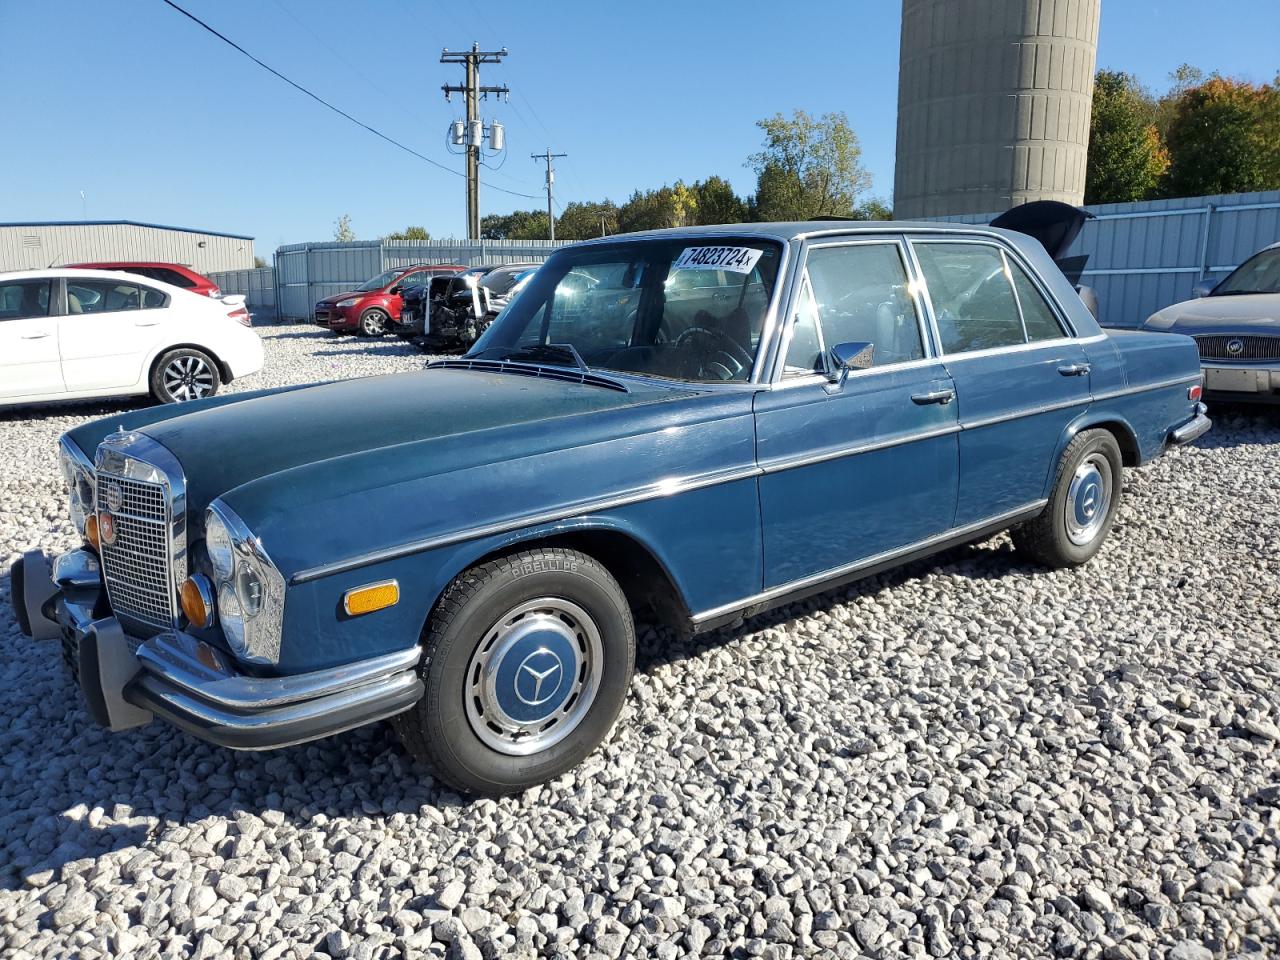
{"x": 1253, "y": 347}
{"x": 137, "y": 567}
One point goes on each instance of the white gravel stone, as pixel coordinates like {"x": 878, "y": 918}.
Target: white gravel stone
{"x": 970, "y": 757}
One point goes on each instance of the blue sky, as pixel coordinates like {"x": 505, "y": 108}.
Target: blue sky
{"x": 156, "y": 120}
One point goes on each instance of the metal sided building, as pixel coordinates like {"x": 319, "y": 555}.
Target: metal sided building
{"x": 35, "y": 245}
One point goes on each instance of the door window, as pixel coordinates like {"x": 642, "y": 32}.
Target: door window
{"x": 20, "y": 299}
{"x": 972, "y": 296}
{"x": 409, "y": 281}
{"x": 102, "y": 296}
{"x": 1040, "y": 320}
{"x": 855, "y": 293}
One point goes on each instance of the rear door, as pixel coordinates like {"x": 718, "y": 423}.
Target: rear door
{"x": 860, "y": 468}
{"x": 28, "y": 339}
{"x": 1021, "y": 376}
{"x": 109, "y": 330}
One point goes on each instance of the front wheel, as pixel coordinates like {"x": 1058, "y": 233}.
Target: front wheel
{"x": 1082, "y": 506}
{"x": 373, "y": 322}
{"x": 526, "y": 665}
{"x": 184, "y": 374}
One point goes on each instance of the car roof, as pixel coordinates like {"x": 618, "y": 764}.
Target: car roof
{"x": 97, "y": 264}
{"x": 84, "y": 273}
{"x": 802, "y": 229}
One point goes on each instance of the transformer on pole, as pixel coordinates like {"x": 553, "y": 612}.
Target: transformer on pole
{"x": 471, "y": 133}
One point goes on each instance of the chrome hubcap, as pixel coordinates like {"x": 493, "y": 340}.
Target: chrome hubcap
{"x": 533, "y": 676}
{"x": 1088, "y": 499}
{"x": 373, "y": 323}
{"x": 188, "y": 378}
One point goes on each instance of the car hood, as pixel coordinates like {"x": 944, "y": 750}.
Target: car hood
{"x": 343, "y": 296}
{"x": 1246, "y": 313}
{"x": 225, "y": 446}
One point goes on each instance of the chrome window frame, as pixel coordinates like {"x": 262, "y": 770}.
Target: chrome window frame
{"x": 928, "y": 342}
{"x": 1008, "y": 254}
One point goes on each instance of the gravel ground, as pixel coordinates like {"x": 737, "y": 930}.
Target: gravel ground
{"x": 968, "y": 757}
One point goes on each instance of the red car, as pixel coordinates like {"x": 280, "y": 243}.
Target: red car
{"x": 173, "y": 273}
{"x": 376, "y": 302}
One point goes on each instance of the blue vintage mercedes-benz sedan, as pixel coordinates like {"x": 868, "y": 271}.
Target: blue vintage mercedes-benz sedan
{"x": 693, "y": 425}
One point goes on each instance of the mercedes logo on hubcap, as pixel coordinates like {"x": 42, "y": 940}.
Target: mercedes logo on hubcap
{"x": 538, "y": 677}
{"x": 1235, "y": 347}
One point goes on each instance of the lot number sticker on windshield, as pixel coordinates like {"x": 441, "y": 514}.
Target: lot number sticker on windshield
{"x": 733, "y": 259}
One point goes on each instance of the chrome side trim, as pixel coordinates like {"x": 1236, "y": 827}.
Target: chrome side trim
{"x": 1143, "y": 387}
{"x": 1026, "y": 412}
{"x": 788, "y": 463}
{"x": 886, "y": 556}
{"x": 198, "y": 669}
{"x": 663, "y": 488}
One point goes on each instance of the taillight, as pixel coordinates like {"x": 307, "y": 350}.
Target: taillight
{"x": 242, "y": 315}
{"x": 1195, "y": 392}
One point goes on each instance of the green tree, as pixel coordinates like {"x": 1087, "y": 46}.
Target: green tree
{"x": 1126, "y": 156}
{"x": 808, "y": 167}
{"x": 259, "y": 263}
{"x": 342, "y": 231}
{"x": 1224, "y": 137}
{"x": 409, "y": 233}
{"x": 517, "y": 225}
{"x": 717, "y": 203}
{"x": 581, "y": 221}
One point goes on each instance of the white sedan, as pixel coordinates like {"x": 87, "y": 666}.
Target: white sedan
{"x": 71, "y": 333}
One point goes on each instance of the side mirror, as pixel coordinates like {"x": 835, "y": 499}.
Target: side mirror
{"x": 858, "y": 355}
{"x": 396, "y": 288}
{"x": 1203, "y": 288}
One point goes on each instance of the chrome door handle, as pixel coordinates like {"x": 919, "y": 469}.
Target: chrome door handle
{"x": 35, "y": 336}
{"x": 934, "y": 396}
{"x": 1074, "y": 369}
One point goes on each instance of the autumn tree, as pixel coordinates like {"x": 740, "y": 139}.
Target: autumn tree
{"x": 1224, "y": 137}
{"x": 342, "y": 231}
{"x": 808, "y": 167}
{"x": 1126, "y": 157}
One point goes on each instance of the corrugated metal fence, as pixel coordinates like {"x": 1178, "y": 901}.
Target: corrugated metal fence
{"x": 258, "y": 286}
{"x": 1145, "y": 256}
{"x": 307, "y": 272}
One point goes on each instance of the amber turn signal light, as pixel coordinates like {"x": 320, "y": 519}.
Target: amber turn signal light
{"x": 197, "y": 600}
{"x": 91, "y": 531}
{"x": 374, "y": 596}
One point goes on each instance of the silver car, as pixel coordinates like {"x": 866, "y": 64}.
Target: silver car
{"x": 1236, "y": 325}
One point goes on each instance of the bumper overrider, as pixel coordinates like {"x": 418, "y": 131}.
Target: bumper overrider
{"x": 128, "y": 681}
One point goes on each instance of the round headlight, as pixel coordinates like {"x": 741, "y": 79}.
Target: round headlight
{"x": 249, "y": 589}
{"x": 217, "y": 543}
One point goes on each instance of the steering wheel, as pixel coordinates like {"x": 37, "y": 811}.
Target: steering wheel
{"x": 717, "y": 352}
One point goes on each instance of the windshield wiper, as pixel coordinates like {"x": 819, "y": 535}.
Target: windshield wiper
{"x": 549, "y": 351}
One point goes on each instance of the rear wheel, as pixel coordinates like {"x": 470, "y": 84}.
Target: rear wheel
{"x": 184, "y": 374}
{"x": 1082, "y": 506}
{"x": 373, "y": 322}
{"x": 526, "y": 664}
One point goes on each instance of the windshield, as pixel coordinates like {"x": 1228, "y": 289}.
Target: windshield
{"x": 500, "y": 282}
{"x": 684, "y": 309}
{"x": 1259, "y": 274}
{"x": 380, "y": 281}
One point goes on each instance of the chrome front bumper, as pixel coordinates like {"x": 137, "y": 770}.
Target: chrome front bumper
{"x": 127, "y": 682}
{"x": 1244, "y": 381}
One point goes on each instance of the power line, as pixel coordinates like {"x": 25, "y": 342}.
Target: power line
{"x": 325, "y": 103}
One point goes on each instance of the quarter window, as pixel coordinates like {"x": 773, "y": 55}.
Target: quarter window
{"x": 857, "y": 293}
{"x": 972, "y": 296}
{"x": 1037, "y": 315}
{"x": 21, "y": 299}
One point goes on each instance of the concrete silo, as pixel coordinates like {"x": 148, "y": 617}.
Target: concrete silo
{"x": 994, "y": 99}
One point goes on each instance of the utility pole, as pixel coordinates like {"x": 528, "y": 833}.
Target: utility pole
{"x": 550, "y": 158}
{"x": 474, "y": 134}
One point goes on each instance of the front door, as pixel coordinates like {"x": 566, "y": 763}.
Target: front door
{"x": 1020, "y": 375}
{"x": 859, "y": 468}
{"x": 108, "y": 331}
{"x": 28, "y": 339}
